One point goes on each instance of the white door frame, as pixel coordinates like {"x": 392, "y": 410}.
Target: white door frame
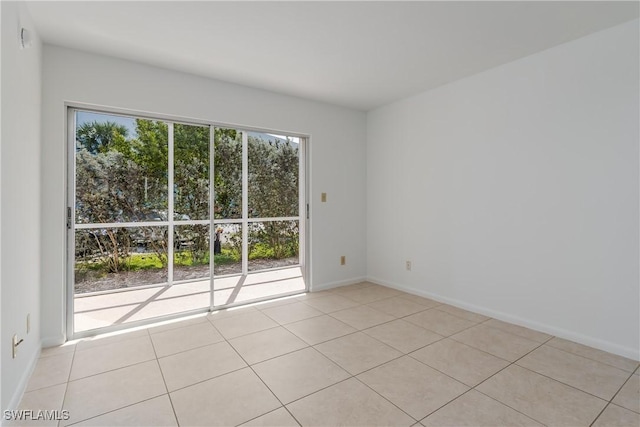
{"x": 70, "y": 225}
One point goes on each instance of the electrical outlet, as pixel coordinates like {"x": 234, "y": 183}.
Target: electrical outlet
{"x": 343, "y": 260}
{"x": 28, "y": 322}
{"x": 323, "y": 197}
{"x": 408, "y": 265}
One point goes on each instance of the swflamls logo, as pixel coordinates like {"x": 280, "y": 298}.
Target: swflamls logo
{"x": 36, "y": 415}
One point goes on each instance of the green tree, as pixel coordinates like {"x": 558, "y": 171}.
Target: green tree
{"x": 273, "y": 192}
{"x": 100, "y": 137}
{"x": 228, "y": 173}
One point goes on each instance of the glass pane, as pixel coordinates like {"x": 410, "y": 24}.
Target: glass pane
{"x": 273, "y": 244}
{"x": 273, "y": 176}
{"x": 228, "y": 173}
{"x": 121, "y": 169}
{"x": 227, "y": 249}
{"x": 191, "y": 255}
{"x": 115, "y": 258}
{"x": 191, "y": 172}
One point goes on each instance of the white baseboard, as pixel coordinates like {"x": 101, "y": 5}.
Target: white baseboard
{"x": 24, "y": 379}
{"x": 527, "y": 323}
{"x": 325, "y": 286}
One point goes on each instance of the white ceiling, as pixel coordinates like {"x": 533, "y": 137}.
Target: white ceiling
{"x": 356, "y": 54}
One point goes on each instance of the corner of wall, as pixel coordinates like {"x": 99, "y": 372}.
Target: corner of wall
{"x": 20, "y": 204}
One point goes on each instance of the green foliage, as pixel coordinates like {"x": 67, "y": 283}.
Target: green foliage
{"x": 228, "y": 173}
{"x": 191, "y": 171}
{"x": 273, "y": 178}
{"x": 100, "y": 137}
{"x": 123, "y": 179}
{"x": 150, "y": 261}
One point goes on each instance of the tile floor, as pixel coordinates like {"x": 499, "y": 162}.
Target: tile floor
{"x": 357, "y": 355}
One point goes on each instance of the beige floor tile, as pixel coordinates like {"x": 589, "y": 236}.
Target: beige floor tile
{"x": 474, "y": 409}
{"x": 397, "y": 307}
{"x": 44, "y": 399}
{"x": 403, "y": 336}
{"x": 331, "y": 303}
{"x": 319, "y": 329}
{"x": 98, "y": 394}
{"x": 58, "y": 350}
{"x": 230, "y": 399}
{"x": 349, "y": 403}
{"x": 291, "y": 312}
{"x": 439, "y": 322}
{"x": 299, "y": 374}
{"x": 541, "y": 398}
{"x": 521, "y": 331}
{"x": 585, "y": 374}
{"x": 112, "y": 356}
{"x": 362, "y": 317}
{"x": 202, "y": 363}
{"x": 370, "y": 294}
{"x": 175, "y": 324}
{"x": 353, "y": 287}
{"x": 629, "y": 395}
{"x": 50, "y": 371}
{"x": 497, "y": 342}
{"x": 110, "y": 338}
{"x": 464, "y": 363}
{"x": 276, "y": 302}
{"x": 278, "y": 418}
{"x": 465, "y": 314}
{"x": 266, "y": 344}
{"x": 187, "y": 338}
{"x": 156, "y": 412}
{"x": 244, "y": 324}
{"x": 231, "y": 312}
{"x": 615, "y": 416}
{"x": 357, "y": 352}
{"x": 412, "y": 386}
{"x": 595, "y": 354}
{"x": 428, "y": 303}
{"x": 312, "y": 295}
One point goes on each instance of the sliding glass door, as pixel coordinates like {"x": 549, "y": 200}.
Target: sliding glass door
{"x": 167, "y": 218}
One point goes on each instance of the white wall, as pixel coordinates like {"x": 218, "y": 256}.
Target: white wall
{"x": 515, "y": 191}
{"x": 337, "y": 161}
{"x": 20, "y": 189}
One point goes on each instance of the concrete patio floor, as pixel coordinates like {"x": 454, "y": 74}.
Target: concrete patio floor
{"x": 104, "y": 310}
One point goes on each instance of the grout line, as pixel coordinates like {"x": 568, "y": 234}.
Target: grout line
{"x": 208, "y": 379}
{"x": 97, "y": 344}
{"x": 164, "y": 381}
{"x": 66, "y": 388}
{"x": 497, "y": 372}
{"x": 271, "y": 412}
{"x": 260, "y": 378}
{"x": 112, "y": 370}
{"x": 620, "y": 389}
{"x": 117, "y": 409}
{"x": 589, "y": 358}
{"x": 561, "y": 382}
{"x": 599, "y": 414}
{"x": 595, "y": 360}
{"x": 378, "y": 393}
{"x": 359, "y": 304}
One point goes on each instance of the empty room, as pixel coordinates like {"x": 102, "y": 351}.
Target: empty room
{"x": 323, "y": 213}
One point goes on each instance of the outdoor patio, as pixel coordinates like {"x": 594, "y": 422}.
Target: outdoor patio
{"x": 109, "y": 309}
